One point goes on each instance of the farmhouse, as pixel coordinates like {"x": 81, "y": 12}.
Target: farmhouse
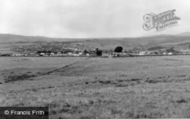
{"x": 142, "y": 53}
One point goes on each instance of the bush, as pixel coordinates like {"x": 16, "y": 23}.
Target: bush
{"x": 118, "y": 49}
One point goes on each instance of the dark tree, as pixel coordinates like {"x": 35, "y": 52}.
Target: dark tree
{"x": 118, "y": 49}
{"x": 98, "y": 52}
{"x": 85, "y": 52}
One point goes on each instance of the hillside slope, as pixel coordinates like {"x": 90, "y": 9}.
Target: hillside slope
{"x": 7, "y": 41}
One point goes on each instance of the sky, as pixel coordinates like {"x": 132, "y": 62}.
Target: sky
{"x": 87, "y": 18}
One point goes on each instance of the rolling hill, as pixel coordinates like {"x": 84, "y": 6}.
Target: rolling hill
{"x": 7, "y": 41}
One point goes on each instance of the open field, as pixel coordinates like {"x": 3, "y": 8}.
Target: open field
{"x": 98, "y": 88}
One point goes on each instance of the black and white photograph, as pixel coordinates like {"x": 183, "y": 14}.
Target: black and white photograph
{"x": 94, "y": 59}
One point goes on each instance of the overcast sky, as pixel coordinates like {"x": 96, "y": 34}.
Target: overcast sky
{"x": 87, "y": 18}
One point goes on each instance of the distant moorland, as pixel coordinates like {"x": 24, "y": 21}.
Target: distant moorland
{"x": 14, "y": 43}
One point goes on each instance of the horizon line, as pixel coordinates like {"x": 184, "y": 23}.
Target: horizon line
{"x": 92, "y": 37}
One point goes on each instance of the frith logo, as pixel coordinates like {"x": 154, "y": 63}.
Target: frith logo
{"x": 160, "y": 21}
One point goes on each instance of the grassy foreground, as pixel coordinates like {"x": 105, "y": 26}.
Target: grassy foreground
{"x": 99, "y": 88}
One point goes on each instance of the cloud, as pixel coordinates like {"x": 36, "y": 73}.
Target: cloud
{"x": 86, "y": 18}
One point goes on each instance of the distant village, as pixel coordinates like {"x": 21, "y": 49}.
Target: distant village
{"x": 117, "y": 52}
